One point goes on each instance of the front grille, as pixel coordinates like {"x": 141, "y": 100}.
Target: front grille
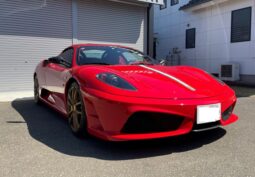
{"x": 226, "y": 114}
{"x": 149, "y": 122}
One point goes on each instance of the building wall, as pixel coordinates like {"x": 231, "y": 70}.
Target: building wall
{"x": 213, "y": 28}
{"x": 31, "y": 33}
{"x": 119, "y": 23}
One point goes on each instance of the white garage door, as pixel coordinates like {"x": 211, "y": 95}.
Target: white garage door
{"x": 110, "y": 22}
{"x": 30, "y": 31}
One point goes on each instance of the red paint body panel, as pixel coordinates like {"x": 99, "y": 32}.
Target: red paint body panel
{"x": 108, "y": 108}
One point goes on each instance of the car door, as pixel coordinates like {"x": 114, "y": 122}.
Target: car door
{"x": 56, "y": 76}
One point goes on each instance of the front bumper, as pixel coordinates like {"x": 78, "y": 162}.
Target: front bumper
{"x": 107, "y": 115}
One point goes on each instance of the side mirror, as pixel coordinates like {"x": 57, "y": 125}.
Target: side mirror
{"x": 59, "y": 60}
{"x": 45, "y": 63}
{"x": 56, "y": 60}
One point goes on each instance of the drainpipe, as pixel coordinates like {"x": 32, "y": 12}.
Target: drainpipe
{"x": 150, "y": 13}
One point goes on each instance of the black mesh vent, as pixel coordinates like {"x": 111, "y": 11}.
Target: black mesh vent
{"x": 226, "y": 114}
{"x": 226, "y": 71}
{"x": 147, "y": 122}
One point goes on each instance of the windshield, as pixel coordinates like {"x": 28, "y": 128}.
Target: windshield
{"x": 110, "y": 55}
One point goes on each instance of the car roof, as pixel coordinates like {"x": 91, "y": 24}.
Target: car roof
{"x": 106, "y": 45}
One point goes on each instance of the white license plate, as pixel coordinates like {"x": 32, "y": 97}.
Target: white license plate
{"x": 208, "y": 113}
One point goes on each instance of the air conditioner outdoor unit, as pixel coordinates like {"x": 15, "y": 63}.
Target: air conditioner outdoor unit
{"x": 230, "y": 72}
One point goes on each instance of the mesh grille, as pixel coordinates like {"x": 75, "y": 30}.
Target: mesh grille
{"x": 226, "y": 71}
{"x": 147, "y": 122}
{"x": 226, "y": 114}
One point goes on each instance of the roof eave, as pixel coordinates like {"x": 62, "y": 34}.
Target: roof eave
{"x": 158, "y": 2}
{"x": 201, "y": 5}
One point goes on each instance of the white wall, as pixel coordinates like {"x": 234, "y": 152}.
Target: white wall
{"x": 213, "y": 46}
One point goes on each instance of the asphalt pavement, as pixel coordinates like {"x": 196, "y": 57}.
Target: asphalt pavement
{"x": 36, "y": 141}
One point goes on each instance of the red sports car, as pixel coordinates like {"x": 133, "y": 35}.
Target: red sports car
{"x": 117, "y": 93}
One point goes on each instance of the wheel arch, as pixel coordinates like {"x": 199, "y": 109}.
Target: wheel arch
{"x": 69, "y": 83}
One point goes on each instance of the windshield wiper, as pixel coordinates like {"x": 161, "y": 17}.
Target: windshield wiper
{"x": 140, "y": 63}
{"x": 96, "y": 64}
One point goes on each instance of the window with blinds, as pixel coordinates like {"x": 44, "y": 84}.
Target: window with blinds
{"x": 241, "y": 25}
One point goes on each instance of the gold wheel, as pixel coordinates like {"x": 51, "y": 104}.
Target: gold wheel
{"x": 75, "y": 110}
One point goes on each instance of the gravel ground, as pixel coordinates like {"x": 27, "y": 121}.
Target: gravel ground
{"x": 36, "y": 141}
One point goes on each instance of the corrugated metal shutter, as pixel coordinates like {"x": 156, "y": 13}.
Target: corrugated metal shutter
{"x": 110, "y": 22}
{"x": 30, "y": 31}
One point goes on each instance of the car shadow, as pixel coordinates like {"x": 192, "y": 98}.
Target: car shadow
{"x": 50, "y": 128}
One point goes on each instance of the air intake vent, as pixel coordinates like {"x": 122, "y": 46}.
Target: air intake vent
{"x": 150, "y": 122}
{"x": 229, "y": 72}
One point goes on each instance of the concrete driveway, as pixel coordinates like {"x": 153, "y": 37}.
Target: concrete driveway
{"x": 36, "y": 141}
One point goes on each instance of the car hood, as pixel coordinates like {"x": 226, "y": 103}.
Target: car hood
{"x": 155, "y": 81}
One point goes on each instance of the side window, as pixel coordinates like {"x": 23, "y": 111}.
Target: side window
{"x": 67, "y": 55}
{"x": 94, "y": 53}
{"x": 90, "y": 55}
{"x": 131, "y": 57}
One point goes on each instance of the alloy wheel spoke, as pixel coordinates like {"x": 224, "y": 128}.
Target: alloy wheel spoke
{"x": 78, "y": 104}
{"x": 70, "y": 100}
{"x": 75, "y": 121}
{"x": 74, "y": 94}
{"x": 78, "y": 112}
{"x": 70, "y": 112}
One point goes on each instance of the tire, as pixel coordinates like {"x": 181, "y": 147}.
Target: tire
{"x": 75, "y": 111}
{"x": 36, "y": 91}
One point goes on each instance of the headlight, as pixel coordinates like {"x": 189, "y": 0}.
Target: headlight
{"x": 115, "y": 81}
